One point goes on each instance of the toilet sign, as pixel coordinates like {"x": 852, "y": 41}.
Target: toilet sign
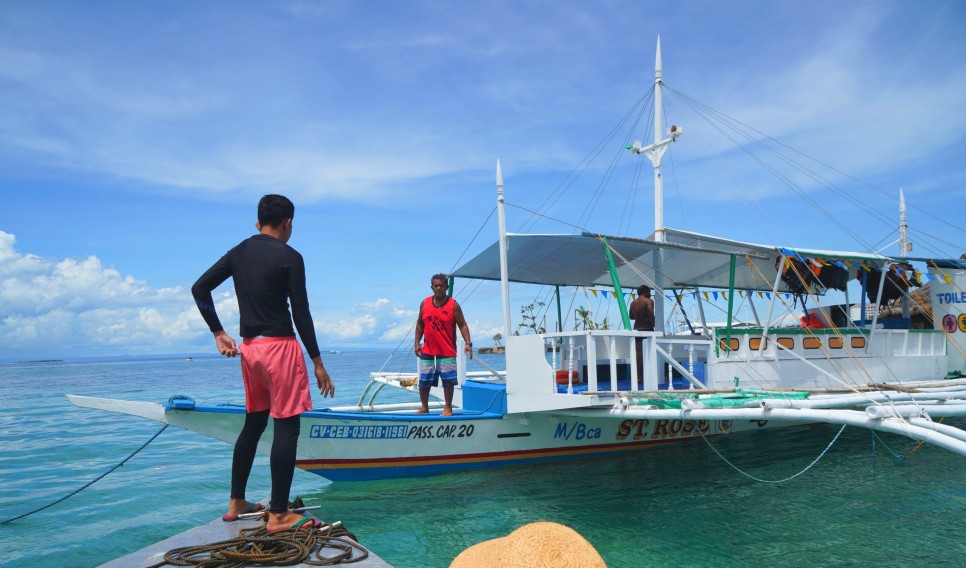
{"x": 949, "y": 311}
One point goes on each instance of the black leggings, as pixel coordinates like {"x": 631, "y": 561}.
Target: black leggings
{"x": 282, "y": 458}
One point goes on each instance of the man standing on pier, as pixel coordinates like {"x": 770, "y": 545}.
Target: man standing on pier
{"x": 267, "y": 274}
{"x": 439, "y": 317}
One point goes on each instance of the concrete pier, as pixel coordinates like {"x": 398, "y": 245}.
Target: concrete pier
{"x": 216, "y": 531}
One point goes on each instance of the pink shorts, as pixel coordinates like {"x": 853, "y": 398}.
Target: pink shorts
{"x": 275, "y": 376}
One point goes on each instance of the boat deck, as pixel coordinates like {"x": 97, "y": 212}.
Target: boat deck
{"x": 215, "y": 531}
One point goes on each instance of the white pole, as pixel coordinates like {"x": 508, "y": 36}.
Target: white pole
{"x": 658, "y": 135}
{"x": 504, "y": 273}
{"x": 655, "y": 152}
{"x": 659, "y": 234}
{"x": 904, "y": 245}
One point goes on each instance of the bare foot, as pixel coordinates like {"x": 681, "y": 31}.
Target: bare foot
{"x": 422, "y": 411}
{"x": 281, "y": 521}
{"x": 239, "y": 507}
{"x": 446, "y": 412}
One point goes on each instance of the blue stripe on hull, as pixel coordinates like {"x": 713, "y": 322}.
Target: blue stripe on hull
{"x": 393, "y": 472}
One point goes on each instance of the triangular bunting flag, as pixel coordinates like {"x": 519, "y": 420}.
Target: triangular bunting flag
{"x": 705, "y": 296}
{"x": 594, "y": 292}
{"x": 715, "y": 294}
{"x": 604, "y": 292}
{"x": 946, "y": 278}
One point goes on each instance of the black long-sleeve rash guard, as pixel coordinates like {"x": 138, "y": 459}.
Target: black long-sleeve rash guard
{"x": 266, "y": 273}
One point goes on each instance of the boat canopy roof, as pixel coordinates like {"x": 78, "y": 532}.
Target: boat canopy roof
{"x": 689, "y": 260}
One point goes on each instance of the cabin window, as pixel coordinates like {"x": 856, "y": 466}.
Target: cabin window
{"x": 835, "y": 342}
{"x": 786, "y": 342}
{"x": 812, "y": 343}
{"x": 731, "y": 345}
{"x": 858, "y": 342}
{"x": 754, "y": 343}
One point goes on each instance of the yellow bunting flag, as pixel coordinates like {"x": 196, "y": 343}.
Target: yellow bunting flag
{"x": 760, "y": 295}
{"x": 946, "y": 278}
{"x": 594, "y": 292}
{"x": 705, "y": 296}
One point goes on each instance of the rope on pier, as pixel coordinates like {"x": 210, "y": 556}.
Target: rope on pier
{"x": 301, "y": 545}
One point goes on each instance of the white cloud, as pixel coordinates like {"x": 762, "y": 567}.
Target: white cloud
{"x": 380, "y": 321}
{"x": 73, "y": 307}
{"x": 66, "y": 307}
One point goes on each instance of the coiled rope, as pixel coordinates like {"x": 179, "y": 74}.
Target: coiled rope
{"x": 158, "y": 433}
{"x": 284, "y": 548}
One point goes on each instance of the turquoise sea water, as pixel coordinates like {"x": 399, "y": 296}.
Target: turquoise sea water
{"x": 672, "y": 506}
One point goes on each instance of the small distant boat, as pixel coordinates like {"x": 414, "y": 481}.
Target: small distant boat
{"x": 570, "y": 394}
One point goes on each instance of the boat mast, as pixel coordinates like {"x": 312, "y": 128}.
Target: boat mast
{"x": 504, "y": 275}
{"x": 904, "y": 245}
{"x": 655, "y": 155}
{"x": 655, "y": 152}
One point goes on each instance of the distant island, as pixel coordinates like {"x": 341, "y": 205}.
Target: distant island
{"x": 492, "y": 349}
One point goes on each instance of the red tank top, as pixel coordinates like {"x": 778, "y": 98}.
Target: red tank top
{"x": 439, "y": 328}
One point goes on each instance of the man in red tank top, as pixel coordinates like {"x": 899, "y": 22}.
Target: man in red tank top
{"x": 439, "y": 317}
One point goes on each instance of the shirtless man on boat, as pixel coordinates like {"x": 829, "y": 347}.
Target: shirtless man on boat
{"x": 439, "y": 317}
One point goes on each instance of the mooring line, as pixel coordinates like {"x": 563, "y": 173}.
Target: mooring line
{"x": 808, "y": 467}
{"x": 89, "y": 484}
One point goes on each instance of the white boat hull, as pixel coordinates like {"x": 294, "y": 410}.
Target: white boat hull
{"x": 357, "y": 446}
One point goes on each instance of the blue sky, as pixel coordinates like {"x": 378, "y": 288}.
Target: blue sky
{"x": 137, "y": 137}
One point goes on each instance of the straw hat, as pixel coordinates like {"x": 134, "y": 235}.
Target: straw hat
{"x": 537, "y": 545}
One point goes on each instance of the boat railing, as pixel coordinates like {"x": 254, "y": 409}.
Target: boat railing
{"x": 605, "y": 360}
{"x": 379, "y": 380}
{"x": 824, "y": 343}
{"x": 825, "y": 357}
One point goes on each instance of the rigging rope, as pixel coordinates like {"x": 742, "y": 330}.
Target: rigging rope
{"x": 92, "y": 482}
{"x": 733, "y": 129}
